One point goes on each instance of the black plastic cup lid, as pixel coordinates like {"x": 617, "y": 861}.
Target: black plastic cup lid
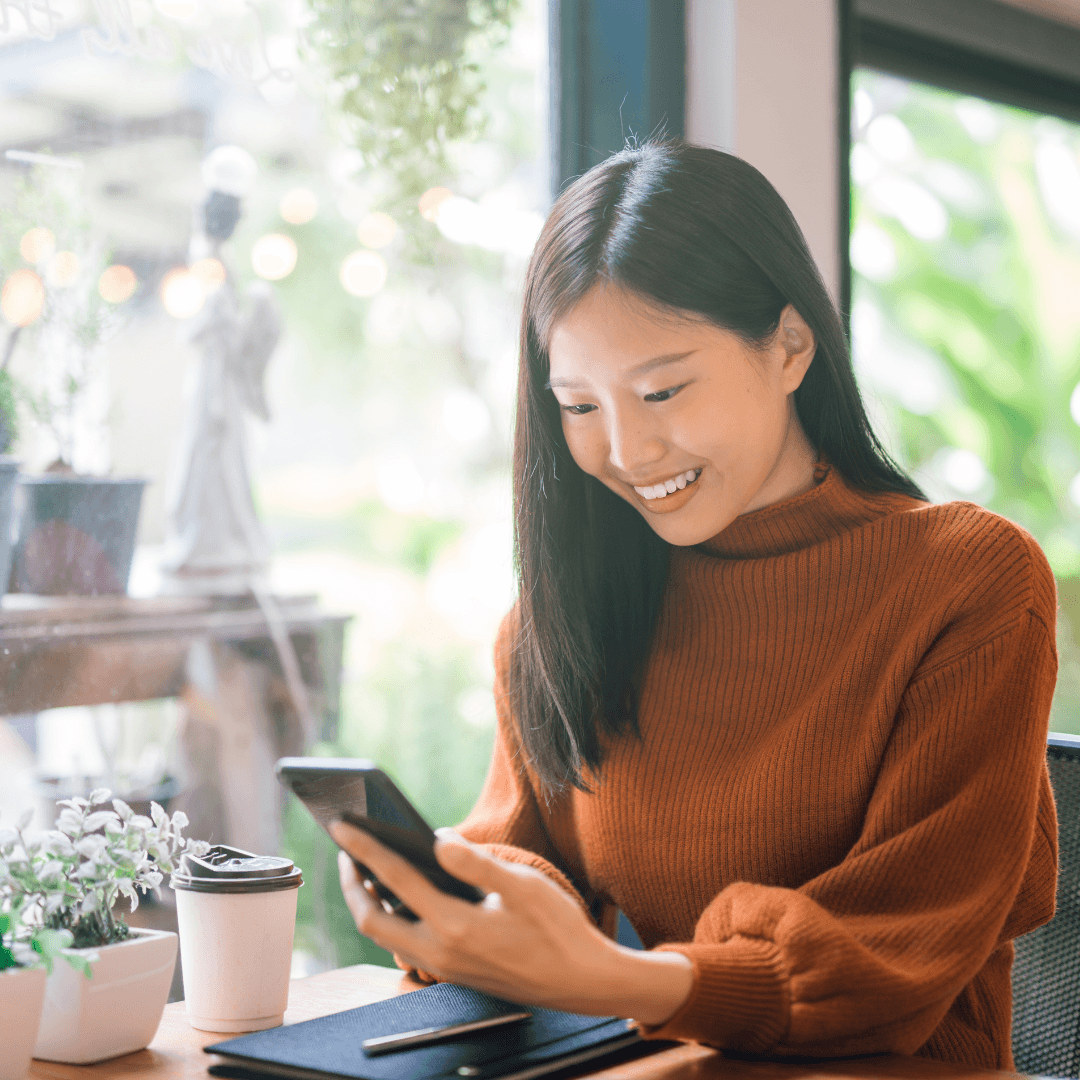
{"x": 229, "y": 870}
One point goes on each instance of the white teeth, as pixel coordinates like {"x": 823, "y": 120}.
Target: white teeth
{"x": 659, "y": 491}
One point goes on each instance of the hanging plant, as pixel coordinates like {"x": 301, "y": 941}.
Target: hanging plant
{"x": 403, "y": 75}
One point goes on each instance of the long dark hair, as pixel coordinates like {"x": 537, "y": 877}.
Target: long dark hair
{"x": 687, "y": 229}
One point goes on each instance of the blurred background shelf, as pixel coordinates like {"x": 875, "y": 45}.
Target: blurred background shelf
{"x": 57, "y": 651}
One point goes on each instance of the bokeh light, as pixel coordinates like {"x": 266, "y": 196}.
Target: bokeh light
{"x": 211, "y": 272}
{"x": 363, "y": 273}
{"x": 299, "y": 205}
{"x": 274, "y": 256}
{"x": 63, "y": 269}
{"x": 22, "y": 298}
{"x": 431, "y": 201}
{"x": 376, "y": 230}
{"x": 37, "y": 245}
{"x": 182, "y": 293}
{"x": 117, "y": 283}
{"x": 873, "y": 252}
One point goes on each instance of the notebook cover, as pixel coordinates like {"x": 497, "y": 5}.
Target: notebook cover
{"x": 330, "y": 1045}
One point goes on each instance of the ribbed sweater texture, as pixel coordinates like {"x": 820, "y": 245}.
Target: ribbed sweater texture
{"x": 838, "y": 807}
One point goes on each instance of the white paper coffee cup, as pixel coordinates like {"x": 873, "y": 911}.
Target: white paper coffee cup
{"x": 236, "y": 913}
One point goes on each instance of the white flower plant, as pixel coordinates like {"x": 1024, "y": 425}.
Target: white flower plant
{"x": 58, "y": 888}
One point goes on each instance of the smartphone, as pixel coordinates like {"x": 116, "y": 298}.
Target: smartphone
{"x": 359, "y": 792}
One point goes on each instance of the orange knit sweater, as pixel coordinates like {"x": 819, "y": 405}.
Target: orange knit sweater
{"x": 838, "y": 808}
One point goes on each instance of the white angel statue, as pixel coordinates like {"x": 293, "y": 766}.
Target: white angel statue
{"x": 215, "y": 543}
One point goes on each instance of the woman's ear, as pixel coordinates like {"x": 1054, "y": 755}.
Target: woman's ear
{"x": 797, "y": 344}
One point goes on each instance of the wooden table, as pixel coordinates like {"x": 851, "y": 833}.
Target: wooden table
{"x": 176, "y": 1052}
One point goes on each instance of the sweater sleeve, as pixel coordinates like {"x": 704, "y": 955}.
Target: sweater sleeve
{"x": 869, "y": 956}
{"x": 506, "y": 818}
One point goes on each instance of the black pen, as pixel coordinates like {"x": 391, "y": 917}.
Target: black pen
{"x": 384, "y": 1044}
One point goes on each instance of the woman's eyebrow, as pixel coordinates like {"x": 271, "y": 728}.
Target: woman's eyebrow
{"x": 640, "y": 369}
{"x": 660, "y": 361}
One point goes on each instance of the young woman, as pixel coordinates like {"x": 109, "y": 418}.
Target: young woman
{"x": 756, "y": 691}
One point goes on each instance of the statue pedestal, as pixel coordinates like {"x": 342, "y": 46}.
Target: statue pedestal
{"x": 220, "y": 583}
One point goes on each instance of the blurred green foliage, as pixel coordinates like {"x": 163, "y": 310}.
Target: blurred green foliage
{"x": 9, "y": 415}
{"x": 371, "y": 531}
{"x": 75, "y": 319}
{"x": 405, "y": 73}
{"x": 965, "y": 314}
{"x": 375, "y": 378}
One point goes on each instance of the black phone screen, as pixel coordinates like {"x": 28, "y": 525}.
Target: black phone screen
{"x": 357, "y": 791}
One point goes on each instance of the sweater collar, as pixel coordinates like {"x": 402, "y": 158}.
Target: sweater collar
{"x": 829, "y": 508}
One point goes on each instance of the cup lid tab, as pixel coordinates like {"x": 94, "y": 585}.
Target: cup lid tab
{"x": 222, "y": 861}
{"x": 229, "y": 869}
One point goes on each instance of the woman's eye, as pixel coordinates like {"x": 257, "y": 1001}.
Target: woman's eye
{"x": 578, "y": 410}
{"x": 664, "y": 395}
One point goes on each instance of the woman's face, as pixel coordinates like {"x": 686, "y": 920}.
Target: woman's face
{"x": 653, "y": 404}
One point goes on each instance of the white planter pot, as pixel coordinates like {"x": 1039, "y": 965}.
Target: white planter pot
{"x": 22, "y": 990}
{"x": 115, "y": 1012}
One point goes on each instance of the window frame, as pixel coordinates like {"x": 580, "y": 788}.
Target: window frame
{"x": 618, "y": 67}
{"x": 987, "y": 48}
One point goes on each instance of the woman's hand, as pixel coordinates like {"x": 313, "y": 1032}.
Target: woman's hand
{"x": 413, "y": 973}
{"x": 527, "y": 940}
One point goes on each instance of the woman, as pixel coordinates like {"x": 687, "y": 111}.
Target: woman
{"x": 756, "y": 691}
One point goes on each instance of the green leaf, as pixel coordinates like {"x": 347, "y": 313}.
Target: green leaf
{"x": 79, "y": 962}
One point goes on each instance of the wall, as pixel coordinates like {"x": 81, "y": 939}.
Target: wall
{"x": 762, "y": 83}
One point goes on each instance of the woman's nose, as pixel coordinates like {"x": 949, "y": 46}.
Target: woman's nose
{"x": 633, "y": 444}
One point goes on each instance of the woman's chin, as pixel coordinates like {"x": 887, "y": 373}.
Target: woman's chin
{"x": 684, "y": 528}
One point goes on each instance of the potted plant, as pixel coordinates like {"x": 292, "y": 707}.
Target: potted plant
{"x": 26, "y": 958}
{"x": 76, "y": 530}
{"x": 69, "y": 879}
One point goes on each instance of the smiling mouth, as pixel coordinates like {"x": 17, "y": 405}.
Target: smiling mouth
{"x": 670, "y": 495}
{"x": 668, "y": 487}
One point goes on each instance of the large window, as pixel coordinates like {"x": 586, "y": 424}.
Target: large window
{"x": 382, "y": 477}
{"x": 965, "y": 252}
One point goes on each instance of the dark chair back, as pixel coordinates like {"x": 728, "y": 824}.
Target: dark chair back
{"x": 1046, "y": 972}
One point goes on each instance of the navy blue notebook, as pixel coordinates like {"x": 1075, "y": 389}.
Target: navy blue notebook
{"x": 329, "y": 1047}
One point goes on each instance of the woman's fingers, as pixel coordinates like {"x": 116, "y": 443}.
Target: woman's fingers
{"x": 357, "y": 892}
{"x": 474, "y": 865}
{"x": 352, "y": 887}
{"x": 401, "y": 878}
{"x": 413, "y": 971}
{"x": 389, "y": 931}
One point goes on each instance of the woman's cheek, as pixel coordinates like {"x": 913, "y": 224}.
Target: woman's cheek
{"x": 586, "y": 447}
{"x": 702, "y": 431}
